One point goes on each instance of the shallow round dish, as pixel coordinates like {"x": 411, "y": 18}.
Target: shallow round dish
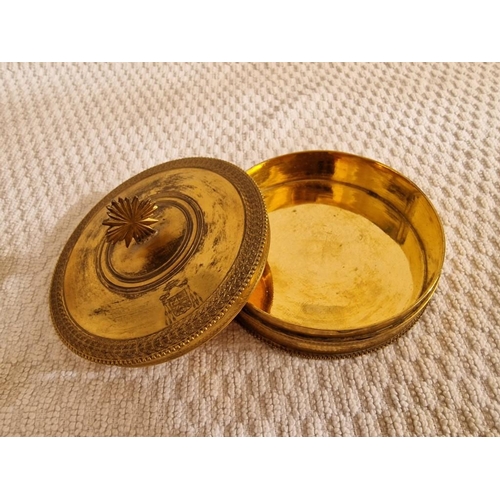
{"x": 356, "y": 253}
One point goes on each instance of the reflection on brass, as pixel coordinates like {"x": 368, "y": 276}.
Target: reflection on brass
{"x": 356, "y": 253}
{"x": 130, "y": 220}
{"x": 354, "y": 274}
{"x": 146, "y": 301}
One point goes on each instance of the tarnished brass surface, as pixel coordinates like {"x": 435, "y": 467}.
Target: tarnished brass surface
{"x": 356, "y": 253}
{"x": 119, "y": 301}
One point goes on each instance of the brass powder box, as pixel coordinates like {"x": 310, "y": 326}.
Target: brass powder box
{"x": 170, "y": 257}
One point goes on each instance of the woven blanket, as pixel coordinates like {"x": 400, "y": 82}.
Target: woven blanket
{"x": 69, "y": 133}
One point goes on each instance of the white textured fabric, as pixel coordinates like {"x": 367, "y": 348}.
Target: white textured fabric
{"x": 70, "y": 133}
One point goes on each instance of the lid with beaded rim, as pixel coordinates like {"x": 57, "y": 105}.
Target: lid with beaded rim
{"x": 162, "y": 264}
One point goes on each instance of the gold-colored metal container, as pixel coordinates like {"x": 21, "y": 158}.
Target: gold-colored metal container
{"x": 167, "y": 259}
{"x": 356, "y": 254}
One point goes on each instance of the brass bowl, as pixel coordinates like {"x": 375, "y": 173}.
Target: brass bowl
{"x": 356, "y": 254}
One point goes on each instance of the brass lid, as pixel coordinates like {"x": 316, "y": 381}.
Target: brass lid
{"x": 162, "y": 264}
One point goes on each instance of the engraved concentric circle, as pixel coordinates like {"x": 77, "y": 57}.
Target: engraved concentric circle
{"x": 125, "y": 270}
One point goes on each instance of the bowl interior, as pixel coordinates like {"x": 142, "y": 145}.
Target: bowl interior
{"x": 353, "y": 243}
